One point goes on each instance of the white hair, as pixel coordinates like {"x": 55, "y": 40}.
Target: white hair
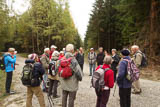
{"x": 53, "y": 46}
{"x": 114, "y": 50}
{"x": 46, "y": 49}
{"x": 11, "y": 50}
{"x": 55, "y": 54}
{"x": 107, "y": 60}
{"x": 135, "y": 47}
{"x": 69, "y": 47}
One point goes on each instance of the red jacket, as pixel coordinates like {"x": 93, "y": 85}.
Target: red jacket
{"x": 50, "y": 54}
{"x": 108, "y": 77}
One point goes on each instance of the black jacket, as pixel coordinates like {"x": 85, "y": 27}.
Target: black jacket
{"x": 100, "y": 58}
{"x": 37, "y": 74}
{"x": 115, "y": 62}
{"x": 80, "y": 58}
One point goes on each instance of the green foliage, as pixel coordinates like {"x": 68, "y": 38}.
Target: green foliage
{"x": 45, "y": 23}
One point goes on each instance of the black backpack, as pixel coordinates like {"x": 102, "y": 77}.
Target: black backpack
{"x": 2, "y": 64}
{"x": 27, "y": 74}
{"x": 52, "y": 68}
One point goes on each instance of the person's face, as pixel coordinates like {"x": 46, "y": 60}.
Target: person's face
{"x": 92, "y": 51}
{"x": 133, "y": 51}
{"x": 52, "y": 49}
{"x": 12, "y": 53}
{"x": 48, "y": 51}
{"x": 113, "y": 53}
{"x": 100, "y": 50}
{"x": 81, "y": 49}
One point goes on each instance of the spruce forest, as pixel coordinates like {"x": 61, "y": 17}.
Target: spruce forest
{"x": 122, "y": 23}
{"x": 46, "y": 22}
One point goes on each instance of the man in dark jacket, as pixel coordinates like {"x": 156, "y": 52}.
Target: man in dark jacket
{"x": 38, "y": 71}
{"x": 115, "y": 62}
{"x": 100, "y": 57}
{"x": 123, "y": 83}
{"x": 80, "y": 58}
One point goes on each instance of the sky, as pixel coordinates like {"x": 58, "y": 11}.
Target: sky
{"x": 80, "y": 11}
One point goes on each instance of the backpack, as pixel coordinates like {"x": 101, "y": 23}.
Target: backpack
{"x": 2, "y": 64}
{"x": 132, "y": 71}
{"x": 65, "y": 71}
{"x": 98, "y": 78}
{"x": 27, "y": 74}
{"x": 144, "y": 62}
{"x": 52, "y": 68}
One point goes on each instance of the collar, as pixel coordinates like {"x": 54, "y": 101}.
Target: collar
{"x": 106, "y": 66}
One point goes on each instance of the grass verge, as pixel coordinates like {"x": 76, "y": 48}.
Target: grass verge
{"x": 25, "y": 55}
{"x": 2, "y": 85}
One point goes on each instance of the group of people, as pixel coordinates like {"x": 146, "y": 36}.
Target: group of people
{"x": 42, "y": 73}
{"x": 117, "y": 64}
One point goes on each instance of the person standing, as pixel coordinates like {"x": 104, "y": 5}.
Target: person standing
{"x": 45, "y": 63}
{"x": 38, "y": 71}
{"x": 53, "y": 75}
{"x": 53, "y": 48}
{"x": 61, "y": 55}
{"x": 92, "y": 61}
{"x": 80, "y": 58}
{"x": 122, "y": 81}
{"x": 9, "y": 60}
{"x": 115, "y": 62}
{"x": 104, "y": 93}
{"x": 137, "y": 58}
{"x": 100, "y": 56}
{"x": 70, "y": 85}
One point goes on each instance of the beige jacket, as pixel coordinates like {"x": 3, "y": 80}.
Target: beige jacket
{"x": 137, "y": 58}
{"x": 57, "y": 76}
{"x": 45, "y": 62}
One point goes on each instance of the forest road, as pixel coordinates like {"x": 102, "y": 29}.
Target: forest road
{"x": 150, "y": 96}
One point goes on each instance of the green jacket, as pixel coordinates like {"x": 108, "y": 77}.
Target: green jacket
{"x": 72, "y": 84}
{"x": 45, "y": 62}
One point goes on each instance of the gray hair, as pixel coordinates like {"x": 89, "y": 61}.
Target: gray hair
{"x": 11, "y": 50}
{"x": 69, "y": 47}
{"x": 107, "y": 60}
{"x": 46, "y": 49}
{"x": 114, "y": 50}
{"x": 135, "y": 47}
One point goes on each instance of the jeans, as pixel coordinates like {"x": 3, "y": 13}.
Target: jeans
{"x": 8, "y": 81}
{"x": 125, "y": 97}
{"x": 53, "y": 84}
{"x": 45, "y": 78}
{"x": 92, "y": 67}
{"x": 39, "y": 94}
{"x": 102, "y": 98}
{"x": 72, "y": 97}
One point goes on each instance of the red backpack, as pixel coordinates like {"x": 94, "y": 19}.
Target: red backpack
{"x": 65, "y": 71}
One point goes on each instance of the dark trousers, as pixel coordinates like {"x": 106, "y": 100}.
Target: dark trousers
{"x": 53, "y": 84}
{"x": 102, "y": 98}
{"x": 8, "y": 81}
{"x": 115, "y": 74}
{"x": 125, "y": 97}
{"x": 72, "y": 97}
{"x": 81, "y": 65}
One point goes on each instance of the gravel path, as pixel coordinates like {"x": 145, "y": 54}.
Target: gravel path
{"x": 86, "y": 97}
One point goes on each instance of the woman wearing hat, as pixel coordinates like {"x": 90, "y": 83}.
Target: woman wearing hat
{"x": 123, "y": 83}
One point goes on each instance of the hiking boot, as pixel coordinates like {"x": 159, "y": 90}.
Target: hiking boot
{"x": 54, "y": 97}
{"x": 134, "y": 92}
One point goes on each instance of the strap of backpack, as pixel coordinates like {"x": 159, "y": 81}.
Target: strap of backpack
{"x": 107, "y": 69}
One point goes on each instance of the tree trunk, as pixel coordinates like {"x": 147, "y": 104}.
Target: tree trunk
{"x": 153, "y": 31}
{"x": 33, "y": 45}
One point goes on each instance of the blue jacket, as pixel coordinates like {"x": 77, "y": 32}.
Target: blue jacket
{"x": 9, "y": 62}
{"x": 122, "y": 72}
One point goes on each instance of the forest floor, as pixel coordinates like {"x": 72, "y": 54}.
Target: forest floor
{"x": 86, "y": 97}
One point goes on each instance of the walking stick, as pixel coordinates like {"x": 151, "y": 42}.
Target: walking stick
{"x": 49, "y": 97}
{"x": 115, "y": 89}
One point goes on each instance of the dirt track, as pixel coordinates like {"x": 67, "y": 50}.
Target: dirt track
{"x": 86, "y": 97}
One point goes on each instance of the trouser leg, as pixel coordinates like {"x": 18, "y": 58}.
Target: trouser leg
{"x": 94, "y": 66}
{"x": 8, "y": 81}
{"x": 29, "y": 97}
{"x": 55, "y": 85}
{"x": 39, "y": 94}
{"x": 45, "y": 77}
{"x": 90, "y": 66}
{"x": 104, "y": 98}
{"x": 64, "y": 98}
{"x": 122, "y": 97}
{"x": 128, "y": 97}
{"x": 98, "y": 98}
{"x": 72, "y": 97}
{"x": 50, "y": 86}
{"x": 136, "y": 86}
{"x": 115, "y": 74}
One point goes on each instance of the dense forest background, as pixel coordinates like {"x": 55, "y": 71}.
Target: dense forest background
{"x": 46, "y": 22}
{"x": 122, "y": 23}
